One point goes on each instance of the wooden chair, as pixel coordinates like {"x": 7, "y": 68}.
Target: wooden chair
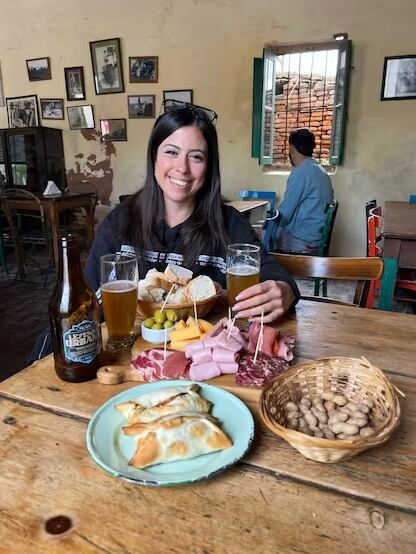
{"x": 344, "y": 269}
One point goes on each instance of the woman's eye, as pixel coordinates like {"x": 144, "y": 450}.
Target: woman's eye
{"x": 171, "y": 152}
{"x": 197, "y": 157}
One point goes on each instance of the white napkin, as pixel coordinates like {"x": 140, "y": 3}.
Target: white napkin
{"x": 51, "y": 189}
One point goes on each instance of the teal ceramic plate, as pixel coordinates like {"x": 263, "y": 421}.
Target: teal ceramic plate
{"x": 111, "y": 450}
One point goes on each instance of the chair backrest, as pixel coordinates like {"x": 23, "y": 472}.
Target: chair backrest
{"x": 373, "y": 223}
{"x": 261, "y": 195}
{"x": 412, "y": 199}
{"x": 346, "y": 269}
{"x": 327, "y": 227}
{"x": 23, "y": 194}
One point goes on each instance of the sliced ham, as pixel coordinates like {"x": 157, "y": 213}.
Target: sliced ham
{"x": 153, "y": 366}
{"x": 202, "y": 355}
{"x": 205, "y": 371}
{"x": 228, "y": 367}
{"x": 193, "y": 347}
{"x": 222, "y": 355}
{"x": 229, "y": 343}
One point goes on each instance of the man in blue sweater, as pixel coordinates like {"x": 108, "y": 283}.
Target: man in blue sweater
{"x": 309, "y": 189}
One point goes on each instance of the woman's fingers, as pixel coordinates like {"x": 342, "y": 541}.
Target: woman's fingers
{"x": 272, "y": 298}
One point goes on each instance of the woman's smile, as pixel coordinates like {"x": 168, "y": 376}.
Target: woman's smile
{"x": 181, "y": 165}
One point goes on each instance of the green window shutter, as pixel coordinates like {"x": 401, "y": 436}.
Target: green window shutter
{"x": 340, "y": 104}
{"x": 267, "y": 119}
{"x": 257, "y": 102}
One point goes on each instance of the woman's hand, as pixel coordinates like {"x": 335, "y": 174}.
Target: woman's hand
{"x": 273, "y": 298}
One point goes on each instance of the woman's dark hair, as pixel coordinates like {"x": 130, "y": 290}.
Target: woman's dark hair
{"x": 204, "y": 229}
{"x": 303, "y": 140}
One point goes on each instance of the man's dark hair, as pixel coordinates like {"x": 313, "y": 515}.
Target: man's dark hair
{"x": 303, "y": 140}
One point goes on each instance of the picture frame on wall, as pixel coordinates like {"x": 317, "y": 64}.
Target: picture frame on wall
{"x": 22, "y": 111}
{"x": 52, "y": 108}
{"x": 113, "y": 130}
{"x": 74, "y": 82}
{"x": 80, "y": 117}
{"x": 107, "y": 66}
{"x": 185, "y": 95}
{"x": 39, "y": 69}
{"x": 143, "y": 69}
{"x": 399, "y": 78}
{"x": 141, "y": 106}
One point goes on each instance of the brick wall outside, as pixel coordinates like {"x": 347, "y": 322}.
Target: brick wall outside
{"x": 303, "y": 102}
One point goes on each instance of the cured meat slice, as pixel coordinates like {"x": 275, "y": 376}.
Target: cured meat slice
{"x": 153, "y": 366}
{"x": 260, "y": 372}
{"x": 228, "y": 367}
{"x": 202, "y": 355}
{"x": 202, "y": 372}
{"x": 273, "y": 344}
{"x": 222, "y": 355}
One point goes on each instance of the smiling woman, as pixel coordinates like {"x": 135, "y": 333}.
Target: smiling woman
{"x": 178, "y": 217}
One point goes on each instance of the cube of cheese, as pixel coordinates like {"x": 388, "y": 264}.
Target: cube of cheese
{"x": 191, "y": 332}
{"x": 180, "y": 325}
{"x": 182, "y": 344}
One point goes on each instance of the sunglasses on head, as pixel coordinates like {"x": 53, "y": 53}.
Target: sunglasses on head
{"x": 204, "y": 114}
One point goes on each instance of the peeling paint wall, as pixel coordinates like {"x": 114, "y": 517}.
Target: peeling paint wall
{"x": 208, "y": 46}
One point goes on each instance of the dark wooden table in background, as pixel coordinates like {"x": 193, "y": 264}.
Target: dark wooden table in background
{"x": 399, "y": 232}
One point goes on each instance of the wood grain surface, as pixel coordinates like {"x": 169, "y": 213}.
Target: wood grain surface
{"x": 399, "y": 220}
{"x": 246, "y": 509}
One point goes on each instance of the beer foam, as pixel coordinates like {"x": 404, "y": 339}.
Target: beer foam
{"x": 240, "y": 270}
{"x": 119, "y": 286}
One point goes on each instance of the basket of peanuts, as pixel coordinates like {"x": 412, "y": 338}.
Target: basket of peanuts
{"x": 331, "y": 409}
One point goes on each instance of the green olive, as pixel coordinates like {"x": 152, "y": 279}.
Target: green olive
{"x": 159, "y": 317}
{"x": 157, "y": 326}
{"x": 171, "y": 316}
{"x": 168, "y": 324}
{"x": 149, "y": 322}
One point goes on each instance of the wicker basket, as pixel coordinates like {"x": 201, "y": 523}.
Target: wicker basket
{"x": 357, "y": 379}
{"x": 147, "y": 309}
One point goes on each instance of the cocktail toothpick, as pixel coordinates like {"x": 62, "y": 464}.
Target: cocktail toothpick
{"x": 231, "y": 327}
{"x": 229, "y": 317}
{"x": 260, "y": 337}
{"x": 166, "y": 344}
{"x": 195, "y": 312}
{"x": 167, "y": 297}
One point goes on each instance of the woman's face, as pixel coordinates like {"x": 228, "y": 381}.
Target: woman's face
{"x": 181, "y": 165}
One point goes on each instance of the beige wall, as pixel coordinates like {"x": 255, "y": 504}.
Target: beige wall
{"x": 208, "y": 46}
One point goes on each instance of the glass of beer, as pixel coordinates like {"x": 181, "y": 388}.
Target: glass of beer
{"x": 243, "y": 269}
{"x": 119, "y": 277}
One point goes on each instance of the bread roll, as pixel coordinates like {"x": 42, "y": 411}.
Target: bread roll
{"x": 200, "y": 288}
{"x": 178, "y": 274}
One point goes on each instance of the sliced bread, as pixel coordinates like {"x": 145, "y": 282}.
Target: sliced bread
{"x": 178, "y": 274}
{"x": 200, "y": 288}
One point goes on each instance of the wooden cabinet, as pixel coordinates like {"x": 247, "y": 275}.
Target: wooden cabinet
{"x": 32, "y": 156}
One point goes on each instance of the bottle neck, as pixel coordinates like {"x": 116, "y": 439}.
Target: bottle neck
{"x": 70, "y": 272}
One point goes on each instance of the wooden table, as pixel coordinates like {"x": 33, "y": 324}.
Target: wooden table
{"x": 254, "y": 210}
{"x": 274, "y": 501}
{"x": 52, "y": 205}
{"x": 399, "y": 231}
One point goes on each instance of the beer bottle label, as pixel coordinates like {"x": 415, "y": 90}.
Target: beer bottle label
{"x": 82, "y": 342}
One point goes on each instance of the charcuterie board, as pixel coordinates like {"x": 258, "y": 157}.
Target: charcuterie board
{"x": 119, "y": 373}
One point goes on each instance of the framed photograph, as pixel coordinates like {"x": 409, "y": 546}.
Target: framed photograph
{"x": 143, "y": 69}
{"x": 22, "y": 111}
{"x": 399, "y": 78}
{"x": 74, "y": 81}
{"x": 107, "y": 66}
{"x": 2, "y": 99}
{"x": 80, "y": 117}
{"x": 141, "y": 107}
{"x": 39, "y": 69}
{"x": 113, "y": 129}
{"x": 52, "y": 108}
{"x": 179, "y": 95}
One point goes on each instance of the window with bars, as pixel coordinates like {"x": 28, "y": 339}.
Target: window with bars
{"x": 300, "y": 86}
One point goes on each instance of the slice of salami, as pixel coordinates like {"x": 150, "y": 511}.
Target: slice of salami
{"x": 261, "y": 372}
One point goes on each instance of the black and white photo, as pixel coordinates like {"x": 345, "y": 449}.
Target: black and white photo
{"x": 52, "y": 108}
{"x": 113, "y": 130}
{"x": 39, "y": 69}
{"x": 185, "y": 95}
{"x": 22, "y": 111}
{"x": 80, "y": 117}
{"x": 142, "y": 106}
{"x": 399, "y": 78}
{"x": 74, "y": 81}
{"x": 2, "y": 99}
{"x": 143, "y": 69}
{"x": 107, "y": 66}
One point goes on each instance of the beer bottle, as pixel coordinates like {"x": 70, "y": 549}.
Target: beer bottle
{"x": 75, "y": 319}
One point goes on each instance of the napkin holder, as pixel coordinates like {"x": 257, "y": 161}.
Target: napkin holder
{"x": 51, "y": 189}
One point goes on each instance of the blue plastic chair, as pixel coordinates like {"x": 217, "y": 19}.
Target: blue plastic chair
{"x": 261, "y": 195}
{"x": 412, "y": 199}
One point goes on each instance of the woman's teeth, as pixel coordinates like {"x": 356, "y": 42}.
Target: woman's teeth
{"x": 179, "y": 182}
